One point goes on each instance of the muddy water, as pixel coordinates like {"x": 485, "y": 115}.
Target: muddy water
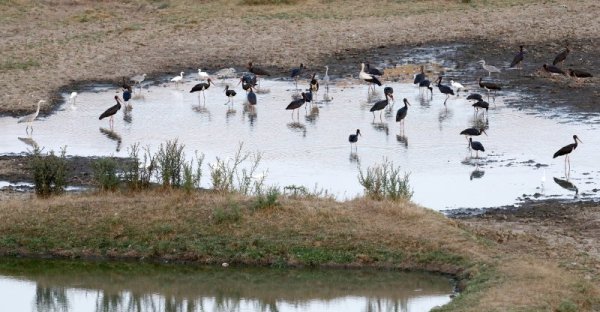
{"x": 30, "y": 285}
{"x": 313, "y": 149}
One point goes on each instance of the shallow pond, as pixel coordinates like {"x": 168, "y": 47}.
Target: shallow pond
{"x": 313, "y": 149}
{"x": 33, "y": 285}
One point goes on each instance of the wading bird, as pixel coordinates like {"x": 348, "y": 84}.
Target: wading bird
{"x": 419, "y": 77}
{"x": 560, "y": 57}
{"x": 425, "y": 83}
{"x": 202, "y": 76}
{"x": 553, "y": 70}
{"x": 259, "y": 71}
{"x": 380, "y": 105}
{"x": 111, "y": 111}
{"x": 295, "y": 104}
{"x": 248, "y": 81}
{"x": 457, "y": 85}
{"x": 137, "y": 79}
{"x": 314, "y": 83}
{"x": 177, "y": 79}
{"x": 477, "y": 146}
{"x": 401, "y": 113}
{"x": 229, "y": 94}
{"x": 389, "y": 91}
{"x": 368, "y": 77}
{"x": 202, "y": 87}
{"x": 353, "y": 138}
{"x": 127, "y": 97}
{"x": 490, "y": 68}
{"x": 296, "y": 72}
{"x": 481, "y": 104}
{"x": 489, "y": 86}
{"x": 251, "y": 97}
{"x": 469, "y": 132}
{"x": 73, "y": 98}
{"x": 518, "y": 59}
{"x": 475, "y": 96}
{"x": 372, "y": 70}
{"x": 444, "y": 89}
{"x": 566, "y": 150}
{"x": 31, "y": 117}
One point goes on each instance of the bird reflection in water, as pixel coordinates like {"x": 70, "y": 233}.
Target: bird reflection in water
{"x": 29, "y": 141}
{"x": 313, "y": 115}
{"x": 201, "y": 109}
{"x": 373, "y": 96}
{"x": 476, "y": 174}
{"x": 250, "y": 111}
{"x": 230, "y": 113}
{"x": 297, "y": 127}
{"x": 567, "y": 185}
{"x": 382, "y": 127}
{"x": 354, "y": 158}
{"x": 127, "y": 116}
{"x": 478, "y": 123}
{"x": 402, "y": 138}
{"x": 111, "y": 134}
{"x": 444, "y": 115}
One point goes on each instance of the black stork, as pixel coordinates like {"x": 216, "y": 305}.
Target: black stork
{"x": 248, "y": 80}
{"x": 566, "y": 150}
{"x": 518, "y": 59}
{"x": 553, "y": 70}
{"x": 475, "y": 96}
{"x": 257, "y": 70}
{"x": 368, "y": 77}
{"x": 425, "y": 83}
{"x": 295, "y": 104}
{"x": 380, "y": 105}
{"x": 489, "y": 86}
{"x": 477, "y": 146}
{"x": 560, "y": 57}
{"x": 353, "y": 138}
{"x": 419, "y": 77}
{"x": 389, "y": 91}
{"x": 444, "y": 89}
{"x": 481, "y": 104}
{"x": 229, "y": 94}
{"x": 251, "y": 97}
{"x": 372, "y": 70}
{"x": 402, "y": 111}
{"x": 202, "y": 87}
{"x": 296, "y": 72}
{"x": 127, "y": 97}
{"x": 111, "y": 111}
{"x": 469, "y": 132}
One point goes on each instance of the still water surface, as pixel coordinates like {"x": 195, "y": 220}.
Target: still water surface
{"x": 314, "y": 150}
{"x": 33, "y": 285}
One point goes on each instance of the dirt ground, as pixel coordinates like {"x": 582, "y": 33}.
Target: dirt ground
{"x": 49, "y": 47}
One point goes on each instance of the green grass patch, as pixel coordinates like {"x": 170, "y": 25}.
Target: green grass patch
{"x": 15, "y": 64}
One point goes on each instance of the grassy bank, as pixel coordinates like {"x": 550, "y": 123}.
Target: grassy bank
{"x": 212, "y": 228}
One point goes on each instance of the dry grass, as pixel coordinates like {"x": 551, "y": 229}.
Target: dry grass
{"x": 501, "y": 271}
{"x": 47, "y": 45}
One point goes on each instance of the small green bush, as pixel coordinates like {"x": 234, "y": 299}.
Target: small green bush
{"x": 385, "y": 182}
{"x": 567, "y": 306}
{"x": 105, "y": 173}
{"x": 170, "y": 159}
{"x": 49, "y": 172}
{"x": 191, "y": 178}
{"x": 230, "y": 176}
{"x": 268, "y": 199}
{"x": 229, "y": 213}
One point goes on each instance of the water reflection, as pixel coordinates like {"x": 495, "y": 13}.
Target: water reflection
{"x": 127, "y": 116}
{"x": 403, "y": 139}
{"x": 73, "y": 286}
{"x": 567, "y": 185}
{"x": 313, "y": 115}
{"x": 354, "y": 157}
{"x": 297, "y": 127}
{"x": 250, "y": 112}
{"x": 111, "y": 134}
{"x": 476, "y": 174}
{"x": 29, "y": 141}
{"x": 382, "y": 127}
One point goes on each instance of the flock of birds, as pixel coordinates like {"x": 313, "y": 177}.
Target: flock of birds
{"x": 250, "y": 81}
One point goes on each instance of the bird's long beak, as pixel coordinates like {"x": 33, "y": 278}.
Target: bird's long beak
{"x": 579, "y": 140}
{"x": 484, "y": 132}
{"x": 392, "y": 96}
{"x": 407, "y": 103}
